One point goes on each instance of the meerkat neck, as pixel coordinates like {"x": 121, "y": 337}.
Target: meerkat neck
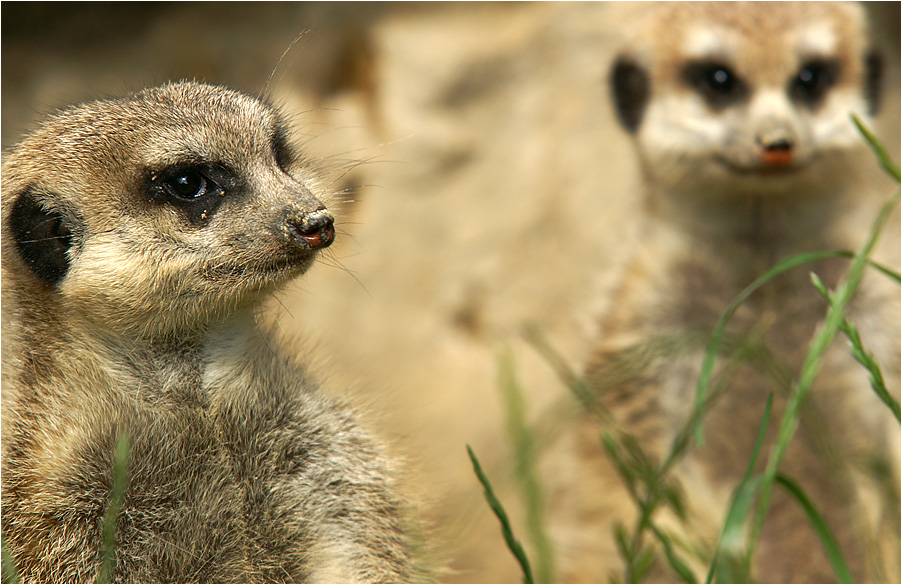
{"x": 172, "y": 368}
{"x": 775, "y": 223}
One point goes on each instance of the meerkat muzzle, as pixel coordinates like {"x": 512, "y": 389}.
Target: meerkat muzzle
{"x": 776, "y": 140}
{"x": 313, "y": 230}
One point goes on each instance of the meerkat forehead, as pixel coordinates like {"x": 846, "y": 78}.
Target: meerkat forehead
{"x": 764, "y": 39}
{"x": 160, "y": 126}
{"x": 739, "y": 48}
{"x": 183, "y": 126}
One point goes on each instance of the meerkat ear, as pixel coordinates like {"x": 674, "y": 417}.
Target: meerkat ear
{"x": 873, "y": 80}
{"x": 42, "y": 238}
{"x": 631, "y": 90}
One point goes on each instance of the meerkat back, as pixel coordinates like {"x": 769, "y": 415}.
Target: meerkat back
{"x": 740, "y": 114}
{"x": 140, "y": 236}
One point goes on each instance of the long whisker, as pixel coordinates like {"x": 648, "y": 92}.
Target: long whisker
{"x": 265, "y": 92}
{"x": 47, "y": 239}
{"x": 332, "y": 261}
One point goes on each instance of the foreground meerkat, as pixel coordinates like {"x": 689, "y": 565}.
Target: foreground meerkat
{"x": 740, "y": 116}
{"x": 140, "y": 236}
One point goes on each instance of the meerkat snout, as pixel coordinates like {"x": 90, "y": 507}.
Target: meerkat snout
{"x": 313, "y": 230}
{"x": 776, "y": 139}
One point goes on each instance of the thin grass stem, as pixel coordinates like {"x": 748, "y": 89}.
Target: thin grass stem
{"x": 525, "y": 458}
{"x": 704, "y": 379}
{"x": 110, "y": 519}
{"x": 743, "y": 497}
{"x": 495, "y": 504}
{"x": 884, "y": 158}
{"x": 828, "y": 541}
{"x": 10, "y": 572}
{"x": 862, "y": 356}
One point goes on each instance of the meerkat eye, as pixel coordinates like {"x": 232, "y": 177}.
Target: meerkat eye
{"x": 813, "y": 80}
{"x": 188, "y": 184}
{"x": 719, "y": 80}
{"x": 196, "y": 188}
{"x": 716, "y": 83}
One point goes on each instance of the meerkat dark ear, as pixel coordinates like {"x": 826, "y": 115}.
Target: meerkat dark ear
{"x": 42, "y": 238}
{"x": 631, "y": 90}
{"x": 873, "y": 80}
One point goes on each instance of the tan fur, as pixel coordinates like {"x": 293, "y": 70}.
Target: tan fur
{"x": 716, "y": 218}
{"x": 240, "y": 468}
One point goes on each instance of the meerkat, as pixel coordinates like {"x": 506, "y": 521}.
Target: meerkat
{"x": 140, "y": 236}
{"x": 740, "y": 114}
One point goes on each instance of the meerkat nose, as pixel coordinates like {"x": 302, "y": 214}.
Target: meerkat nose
{"x": 776, "y": 143}
{"x": 313, "y": 230}
{"x": 777, "y": 153}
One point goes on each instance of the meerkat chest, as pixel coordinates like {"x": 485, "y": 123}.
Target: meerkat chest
{"x": 210, "y": 461}
{"x": 687, "y": 280}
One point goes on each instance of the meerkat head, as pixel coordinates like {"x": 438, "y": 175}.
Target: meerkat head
{"x": 161, "y": 210}
{"x": 756, "y": 97}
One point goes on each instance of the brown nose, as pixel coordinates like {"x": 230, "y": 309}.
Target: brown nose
{"x": 313, "y": 230}
{"x": 776, "y": 140}
{"x": 777, "y": 153}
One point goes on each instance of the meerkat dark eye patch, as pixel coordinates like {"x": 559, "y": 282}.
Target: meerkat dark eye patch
{"x": 631, "y": 92}
{"x": 42, "y": 237}
{"x": 812, "y": 82}
{"x": 716, "y": 82}
{"x": 281, "y": 148}
{"x": 873, "y": 80}
{"x": 198, "y": 189}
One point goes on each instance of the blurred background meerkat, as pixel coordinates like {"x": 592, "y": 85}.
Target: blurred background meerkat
{"x": 740, "y": 113}
{"x": 485, "y": 130}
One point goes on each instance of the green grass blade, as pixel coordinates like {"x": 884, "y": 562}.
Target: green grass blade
{"x": 10, "y": 572}
{"x": 828, "y": 541}
{"x": 515, "y": 547}
{"x": 110, "y": 519}
{"x": 759, "y": 440}
{"x": 643, "y": 564}
{"x": 867, "y": 360}
{"x": 525, "y": 458}
{"x": 730, "y": 565}
{"x": 675, "y": 562}
{"x": 886, "y": 270}
{"x": 861, "y": 355}
{"x": 730, "y": 536}
{"x": 887, "y": 163}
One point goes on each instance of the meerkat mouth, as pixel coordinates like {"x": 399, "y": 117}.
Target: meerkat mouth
{"x": 283, "y": 267}
{"x": 762, "y": 170}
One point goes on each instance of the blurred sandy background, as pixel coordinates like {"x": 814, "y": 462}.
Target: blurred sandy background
{"x": 496, "y": 190}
